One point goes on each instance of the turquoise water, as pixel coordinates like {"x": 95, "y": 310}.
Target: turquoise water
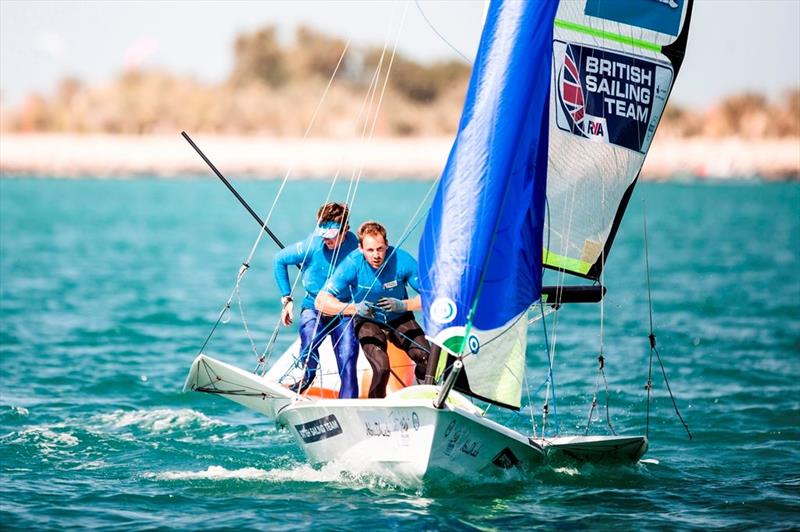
{"x": 107, "y": 290}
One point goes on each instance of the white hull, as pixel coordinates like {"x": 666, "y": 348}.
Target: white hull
{"x": 596, "y": 449}
{"x": 405, "y": 439}
{"x": 213, "y": 376}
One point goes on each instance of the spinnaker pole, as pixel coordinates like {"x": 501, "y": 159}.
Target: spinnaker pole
{"x": 233, "y": 190}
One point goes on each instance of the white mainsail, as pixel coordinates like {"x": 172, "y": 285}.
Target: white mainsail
{"x": 614, "y": 65}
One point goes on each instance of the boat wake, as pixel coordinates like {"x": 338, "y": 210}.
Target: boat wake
{"x": 297, "y": 472}
{"x": 158, "y": 420}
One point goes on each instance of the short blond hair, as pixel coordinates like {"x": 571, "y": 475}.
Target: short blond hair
{"x": 371, "y": 228}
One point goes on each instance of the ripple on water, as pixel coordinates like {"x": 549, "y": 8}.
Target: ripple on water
{"x": 104, "y": 283}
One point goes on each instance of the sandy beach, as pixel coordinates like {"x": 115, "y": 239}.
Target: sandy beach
{"x": 121, "y": 156}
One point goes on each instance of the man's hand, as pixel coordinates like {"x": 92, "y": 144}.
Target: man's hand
{"x": 286, "y": 311}
{"x": 364, "y": 310}
{"x": 391, "y": 304}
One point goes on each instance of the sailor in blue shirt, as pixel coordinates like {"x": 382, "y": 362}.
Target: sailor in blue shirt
{"x": 374, "y": 278}
{"x": 318, "y": 255}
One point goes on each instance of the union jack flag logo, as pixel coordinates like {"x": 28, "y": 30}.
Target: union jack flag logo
{"x": 571, "y": 91}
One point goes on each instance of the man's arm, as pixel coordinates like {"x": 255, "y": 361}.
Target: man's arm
{"x": 329, "y": 305}
{"x": 409, "y": 276}
{"x": 292, "y": 254}
{"x": 413, "y": 303}
{"x": 339, "y": 282}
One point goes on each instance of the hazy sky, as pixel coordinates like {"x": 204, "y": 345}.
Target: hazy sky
{"x": 734, "y": 45}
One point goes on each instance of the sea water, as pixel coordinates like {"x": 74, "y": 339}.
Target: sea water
{"x": 109, "y": 288}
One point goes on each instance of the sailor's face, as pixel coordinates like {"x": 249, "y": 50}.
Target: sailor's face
{"x": 374, "y": 249}
{"x": 333, "y": 243}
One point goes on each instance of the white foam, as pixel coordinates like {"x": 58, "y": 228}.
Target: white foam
{"x": 571, "y": 471}
{"x": 225, "y": 437}
{"x": 93, "y": 464}
{"x": 297, "y": 473}
{"x": 212, "y": 473}
{"x": 20, "y": 410}
{"x": 650, "y": 461}
{"x": 45, "y": 439}
{"x": 157, "y": 420}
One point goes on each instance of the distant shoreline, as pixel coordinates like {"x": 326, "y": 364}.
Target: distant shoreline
{"x": 125, "y": 156}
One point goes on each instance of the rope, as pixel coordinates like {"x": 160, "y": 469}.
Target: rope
{"x": 246, "y": 262}
{"x": 550, "y": 381}
{"x": 442, "y": 37}
{"x": 368, "y": 130}
{"x": 214, "y": 328}
{"x": 530, "y": 409}
{"x": 652, "y": 339}
{"x": 600, "y": 373}
{"x": 651, "y": 336}
{"x": 601, "y": 359}
{"x": 241, "y": 310}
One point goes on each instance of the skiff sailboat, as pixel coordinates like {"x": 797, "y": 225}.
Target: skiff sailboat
{"x": 562, "y": 106}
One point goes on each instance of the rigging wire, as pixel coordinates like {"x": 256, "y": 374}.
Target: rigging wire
{"x": 353, "y": 188}
{"x": 442, "y": 37}
{"x": 246, "y": 263}
{"x": 652, "y": 338}
{"x": 549, "y": 381}
{"x": 551, "y": 346}
{"x": 559, "y": 292}
{"x": 358, "y": 170}
{"x": 369, "y": 128}
{"x": 301, "y": 362}
{"x": 264, "y": 360}
{"x": 601, "y": 359}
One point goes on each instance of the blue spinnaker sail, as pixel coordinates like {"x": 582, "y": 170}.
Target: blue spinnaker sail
{"x": 480, "y": 255}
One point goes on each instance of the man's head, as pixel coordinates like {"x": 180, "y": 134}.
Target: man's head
{"x": 333, "y": 223}
{"x": 372, "y": 242}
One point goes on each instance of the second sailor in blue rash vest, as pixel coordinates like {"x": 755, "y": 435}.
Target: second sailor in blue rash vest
{"x": 374, "y": 278}
{"x": 318, "y": 255}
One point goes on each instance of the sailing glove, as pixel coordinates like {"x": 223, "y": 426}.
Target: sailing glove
{"x": 364, "y": 310}
{"x": 391, "y": 304}
{"x": 287, "y": 310}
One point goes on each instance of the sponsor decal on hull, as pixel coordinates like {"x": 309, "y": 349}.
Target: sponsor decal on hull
{"x": 461, "y": 439}
{"x": 319, "y": 429}
{"x": 608, "y": 96}
{"x": 505, "y": 459}
{"x": 399, "y": 425}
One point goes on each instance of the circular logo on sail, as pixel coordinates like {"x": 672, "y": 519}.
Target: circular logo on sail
{"x": 443, "y": 310}
{"x": 474, "y": 344}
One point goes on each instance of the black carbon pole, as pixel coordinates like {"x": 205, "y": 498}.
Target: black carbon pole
{"x": 233, "y": 190}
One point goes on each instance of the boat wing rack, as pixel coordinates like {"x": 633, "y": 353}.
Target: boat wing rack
{"x": 556, "y": 295}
